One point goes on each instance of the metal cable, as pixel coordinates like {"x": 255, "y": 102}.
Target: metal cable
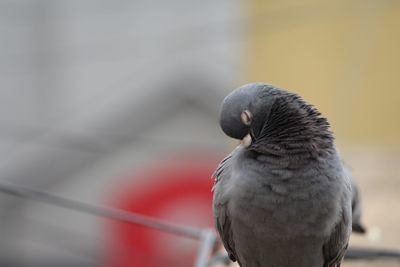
{"x": 106, "y": 212}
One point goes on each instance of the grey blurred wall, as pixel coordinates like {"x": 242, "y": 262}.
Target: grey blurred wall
{"x": 91, "y": 90}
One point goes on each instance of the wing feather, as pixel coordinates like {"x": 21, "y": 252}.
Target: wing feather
{"x": 220, "y": 169}
{"x": 335, "y": 248}
{"x": 221, "y": 214}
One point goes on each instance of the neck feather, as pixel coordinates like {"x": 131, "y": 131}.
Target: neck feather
{"x": 292, "y": 128}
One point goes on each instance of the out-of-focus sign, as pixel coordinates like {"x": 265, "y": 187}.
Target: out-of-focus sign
{"x": 179, "y": 192}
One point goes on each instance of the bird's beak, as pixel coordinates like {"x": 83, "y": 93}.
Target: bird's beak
{"x": 246, "y": 141}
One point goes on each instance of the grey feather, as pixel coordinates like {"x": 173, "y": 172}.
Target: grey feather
{"x": 286, "y": 199}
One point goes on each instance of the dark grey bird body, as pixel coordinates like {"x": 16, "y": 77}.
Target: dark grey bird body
{"x": 284, "y": 200}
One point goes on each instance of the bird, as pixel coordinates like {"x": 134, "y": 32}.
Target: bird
{"x": 282, "y": 197}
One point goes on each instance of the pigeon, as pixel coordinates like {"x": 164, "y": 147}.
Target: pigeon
{"x": 281, "y": 198}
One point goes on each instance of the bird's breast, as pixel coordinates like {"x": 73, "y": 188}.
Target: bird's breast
{"x": 282, "y": 202}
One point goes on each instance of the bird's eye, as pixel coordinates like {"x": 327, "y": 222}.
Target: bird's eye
{"x": 246, "y": 117}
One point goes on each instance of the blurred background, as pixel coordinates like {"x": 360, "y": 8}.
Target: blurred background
{"x": 116, "y": 103}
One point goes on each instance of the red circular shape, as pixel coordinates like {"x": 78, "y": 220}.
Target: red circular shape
{"x": 178, "y": 193}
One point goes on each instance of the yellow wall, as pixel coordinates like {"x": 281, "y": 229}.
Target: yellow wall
{"x": 342, "y": 56}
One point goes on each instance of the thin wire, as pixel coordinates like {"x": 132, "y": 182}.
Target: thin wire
{"x": 208, "y": 241}
{"x": 358, "y": 253}
{"x": 106, "y": 212}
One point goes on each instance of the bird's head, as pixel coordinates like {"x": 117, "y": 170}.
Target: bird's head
{"x": 273, "y": 119}
{"x": 244, "y": 110}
